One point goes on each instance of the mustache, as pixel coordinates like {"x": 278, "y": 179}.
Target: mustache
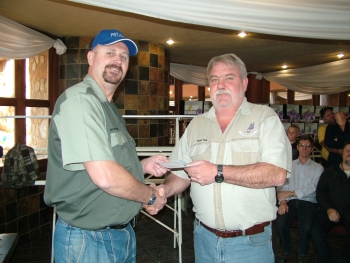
{"x": 115, "y": 66}
{"x": 219, "y": 92}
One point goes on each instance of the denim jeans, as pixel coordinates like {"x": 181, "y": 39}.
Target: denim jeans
{"x": 244, "y": 249}
{"x": 304, "y": 211}
{"x": 73, "y": 245}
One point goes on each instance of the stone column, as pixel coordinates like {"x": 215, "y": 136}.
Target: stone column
{"x": 258, "y": 91}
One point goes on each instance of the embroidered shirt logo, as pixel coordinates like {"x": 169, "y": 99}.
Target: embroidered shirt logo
{"x": 249, "y": 131}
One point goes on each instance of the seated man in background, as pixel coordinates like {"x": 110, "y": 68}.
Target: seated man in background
{"x": 327, "y": 116}
{"x": 293, "y": 134}
{"x": 297, "y": 199}
{"x": 333, "y": 196}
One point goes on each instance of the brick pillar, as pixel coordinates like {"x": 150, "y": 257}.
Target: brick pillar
{"x": 290, "y": 97}
{"x": 258, "y": 91}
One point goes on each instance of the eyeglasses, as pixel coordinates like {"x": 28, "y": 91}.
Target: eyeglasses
{"x": 304, "y": 145}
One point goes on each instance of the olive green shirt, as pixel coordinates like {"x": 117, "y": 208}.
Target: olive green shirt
{"x": 84, "y": 127}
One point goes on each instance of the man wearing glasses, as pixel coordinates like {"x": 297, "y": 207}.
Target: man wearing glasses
{"x": 297, "y": 199}
{"x": 327, "y": 115}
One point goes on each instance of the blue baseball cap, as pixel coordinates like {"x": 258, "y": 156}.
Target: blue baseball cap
{"x": 111, "y": 36}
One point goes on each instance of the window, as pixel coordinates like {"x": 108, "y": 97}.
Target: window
{"x": 28, "y": 87}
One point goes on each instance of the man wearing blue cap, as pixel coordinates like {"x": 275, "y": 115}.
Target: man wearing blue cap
{"x": 94, "y": 176}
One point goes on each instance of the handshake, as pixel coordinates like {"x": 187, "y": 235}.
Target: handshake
{"x": 160, "y": 201}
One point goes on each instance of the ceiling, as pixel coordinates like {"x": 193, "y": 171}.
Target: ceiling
{"x": 194, "y": 45}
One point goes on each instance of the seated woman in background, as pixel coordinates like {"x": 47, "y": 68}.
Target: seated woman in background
{"x": 293, "y": 134}
{"x": 335, "y": 137}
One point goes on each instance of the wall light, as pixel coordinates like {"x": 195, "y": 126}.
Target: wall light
{"x": 284, "y": 66}
{"x": 242, "y": 34}
{"x": 170, "y": 41}
{"x": 340, "y": 55}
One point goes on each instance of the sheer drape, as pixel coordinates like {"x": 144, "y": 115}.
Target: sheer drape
{"x": 326, "y": 78}
{"x": 322, "y": 19}
{"x": 20, "y": 42}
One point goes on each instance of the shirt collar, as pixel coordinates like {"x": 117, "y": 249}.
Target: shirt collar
{"x": 298, "y": 161}
{"x": 95, "y": 88}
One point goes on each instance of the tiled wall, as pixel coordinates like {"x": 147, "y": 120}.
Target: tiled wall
{"x": 23, "y": 211}
{"x": 145, "y": 90}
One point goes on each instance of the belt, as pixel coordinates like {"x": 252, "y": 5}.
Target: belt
{"x": 256, "y": 229}
{"x": 121, "y": 226}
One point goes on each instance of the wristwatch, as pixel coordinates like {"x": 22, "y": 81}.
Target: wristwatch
{"x": 152, "y": 199}
{"x": 292, "y": 193}
{"x": 219, "y": 178}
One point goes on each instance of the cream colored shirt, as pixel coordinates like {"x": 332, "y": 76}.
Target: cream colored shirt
{"x": 255, "y": 134}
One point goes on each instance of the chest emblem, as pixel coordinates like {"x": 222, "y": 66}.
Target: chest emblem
{"x": 249, "y": 131}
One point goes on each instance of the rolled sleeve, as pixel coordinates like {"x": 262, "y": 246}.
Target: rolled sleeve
{"x": 274, "y": 145}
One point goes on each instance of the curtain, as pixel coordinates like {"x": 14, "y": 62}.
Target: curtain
{"x": 318, "y": 19}
{"x": 20, "y": 42}
{"x": 321, "y": 19}
{"x": 190, "y": 74}
{"x": 328, "y": 78}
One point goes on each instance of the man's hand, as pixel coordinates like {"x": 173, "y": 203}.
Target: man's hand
{"x": 283, "y": 208}
{"x": 150, "y": 165}
{"x": 160, "y": 201}
{"x": 333, "y": 215}
{"x": 203, "y": 172}
{"x": 282, "y": 195}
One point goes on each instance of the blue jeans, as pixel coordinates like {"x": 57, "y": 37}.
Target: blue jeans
{"x": 210, "y": 248}
{"x": 73, "y": 245}
{"x": 304, "y": 211}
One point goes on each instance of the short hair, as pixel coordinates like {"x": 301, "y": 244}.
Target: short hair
{"x": 227, "y": 59}
{"x": 295, "y": 127}
{"x": 346, "y": 143}
{"x": 324, "y": 109}
{"x": 307, "y": 137}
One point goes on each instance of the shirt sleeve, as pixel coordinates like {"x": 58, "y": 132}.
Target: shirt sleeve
{"x": 82, "y": 130}
{"x": 274, "y": 144}
{"x": 310, "y": 188}
{"x": 181, "y": 152}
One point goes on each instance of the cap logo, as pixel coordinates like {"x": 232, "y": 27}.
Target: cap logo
{"x": 116, "y": 34}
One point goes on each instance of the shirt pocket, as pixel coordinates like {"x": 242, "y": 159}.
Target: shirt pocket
{"x": 245, "y": 151}
{"x": 200, "y": 152}
{"x": 118, "y": 138}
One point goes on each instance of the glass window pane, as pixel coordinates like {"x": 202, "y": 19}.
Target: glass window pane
{"x": 37, "y": 129}
{"x": 7, "y": 78}
{"x": 37, "y": 85}
{"x": 7, "y": 127}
